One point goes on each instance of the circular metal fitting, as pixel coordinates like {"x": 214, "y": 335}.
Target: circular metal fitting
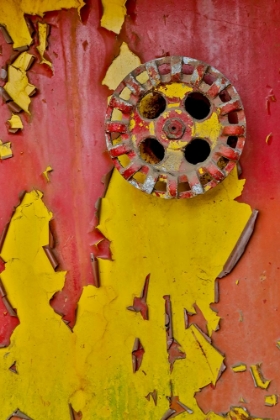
{"x": 175, "y": 127}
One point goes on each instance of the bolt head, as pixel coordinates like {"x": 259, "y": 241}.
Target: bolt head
{"x": 174, "y": 128}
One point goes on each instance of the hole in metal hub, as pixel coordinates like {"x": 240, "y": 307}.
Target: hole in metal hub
{"x": 151, "y": 105}
{"x": 197, "y": 151}
{"x": 151, "y": 151}
{"x": 197, "y": 105}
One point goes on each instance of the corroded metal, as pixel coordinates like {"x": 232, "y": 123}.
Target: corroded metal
{"x": 150, "y": 140}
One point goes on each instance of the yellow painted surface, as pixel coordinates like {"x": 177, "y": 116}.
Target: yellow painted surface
{"x": 271, "y": 400}
{"x": 121, "y": 66}
{"x": 12, "y": 15}
{"x": 46, "y": 173}
{"x": 18, "y": 86}
{"x": 5, "y": 150}
{"x": 15, "y": 122}
{"x": 258, "y": 378}
{"x": 239, "y": 368}
{"x": 138, "y": 225}
{"x": 174, "y": 90}
{"x": 209, "y": 128}
{"x": 91, "y": 367}
{"x": 114, "y": 12}
{"x": 43, "y": 43}
{"x": 42, "y": 345}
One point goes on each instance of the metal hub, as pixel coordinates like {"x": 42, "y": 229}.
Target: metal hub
{"x": 175, "y": 127}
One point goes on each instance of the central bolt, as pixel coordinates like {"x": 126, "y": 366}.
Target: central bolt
{"x": 174, "y": 128}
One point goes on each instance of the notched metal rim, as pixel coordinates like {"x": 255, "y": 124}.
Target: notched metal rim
{"x": 190, "y": 179}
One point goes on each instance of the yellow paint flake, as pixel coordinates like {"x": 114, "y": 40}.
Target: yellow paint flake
{"x": 176, "y": 144}
{"x": 174, "y": 90}
{"x": 125, "y": 93}
{"x": 114, "y": 12}
{"x": 121, "y": 66}
{"x": 18, "y": 86}
{"x": 139, "y": 241}
{"x": 209, "y": 128}
{"x": 116, "y": 115}
{"x": 132, "y": 122}
{"x": 241, "y": 367}
{"x": 271, "y": 400}
{"x": 258, "y": 378}
{"x": 46, "y": 173}
{"x": 12, "y": 15}
{"x": 238, "y": 413}
{"x": 124, "y": 160}
{"x": 15, "y": 123}
{"x": 173, "y": 105}
{"x": 143, "y": 77}
{"x": 152, "y": 128}
{"x": 5, "y": 150}
{"x": 43, "y": 29}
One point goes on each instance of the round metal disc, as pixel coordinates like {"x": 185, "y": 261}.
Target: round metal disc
{"x": 175, "y": 127}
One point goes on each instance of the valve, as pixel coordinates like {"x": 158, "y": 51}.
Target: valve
{"x": 175, "y": 127}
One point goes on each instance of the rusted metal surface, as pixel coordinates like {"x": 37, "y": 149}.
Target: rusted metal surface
{"x": 157, "y": 127}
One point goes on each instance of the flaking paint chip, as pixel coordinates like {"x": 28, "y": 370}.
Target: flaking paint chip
{"x": 18, "y": 86}
{"x": 46, "y": 173}
{"x": 120, "y": 67}
{"x": 114, "y": 12}
{"x": 5, "y": 150}
{"x": 43, "y": 32}
{"x": 258, "y": 378}
{"x": 241, "y": 367}
{"x": 271, "y": 400}
{"x": 12, "y": 16}
{"x": 15, "y": 123}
